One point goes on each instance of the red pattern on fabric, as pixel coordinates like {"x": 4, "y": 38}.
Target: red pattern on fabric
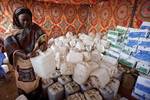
{"x": 77, "y": 15}
{"x": 70, "y": 13}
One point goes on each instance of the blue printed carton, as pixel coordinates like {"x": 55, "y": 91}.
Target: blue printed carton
{"x": 142, "y": 88}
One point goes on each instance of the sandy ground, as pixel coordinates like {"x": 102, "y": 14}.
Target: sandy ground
{"x": 8, "y": 89}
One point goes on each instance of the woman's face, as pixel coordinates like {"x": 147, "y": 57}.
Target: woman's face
{"x": 25, "y": 20}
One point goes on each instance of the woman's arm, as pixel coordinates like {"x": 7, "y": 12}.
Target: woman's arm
{"x": 21, "y": 54}
{"x": 42, "y": 43}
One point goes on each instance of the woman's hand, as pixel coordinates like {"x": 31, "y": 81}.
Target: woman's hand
{"x": 43, "y": 46}
{"x": 22, "y": 55}
{"x": 32, "y": 54}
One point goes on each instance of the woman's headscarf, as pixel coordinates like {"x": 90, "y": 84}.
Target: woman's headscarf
{"x": 17, "y": 12}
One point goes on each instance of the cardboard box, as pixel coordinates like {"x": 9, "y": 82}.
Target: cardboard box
{"x": 143, "y": 67}
{"x": 127, "y": 60}
{"x": 112, "y": 54}
{"x": 142, "y": 87}
{"x": 145, "y": 25}
{"x": 121, "y": 29}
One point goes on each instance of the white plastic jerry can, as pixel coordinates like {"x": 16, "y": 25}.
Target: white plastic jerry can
{"x": 55, "y": 75}
{"x": 76, "y": 96}
{"x": 119, "y": 74}
{"x": 64, "y": 79}
{"x": 74, "y": 57}
{"x": 114, "y": 85}
{"x": 92, "y": 95}
{"x": 44, "y": 64}
{"x": 102, "y": 76}
{"x": 56, "y": 92}
{"x": 83, "y": 70}
{"x": 86, "y": 86}
{"x": 71, "y": 88}
{"x": 67, "y": 68}
{"x": 107, "y": 93}
{"x": 45, "y": 84}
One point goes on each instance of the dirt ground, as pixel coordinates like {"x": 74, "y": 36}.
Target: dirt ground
{"x": 8, "y": 88}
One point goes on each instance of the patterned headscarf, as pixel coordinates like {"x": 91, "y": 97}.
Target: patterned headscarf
{"x": 17, "y": 12}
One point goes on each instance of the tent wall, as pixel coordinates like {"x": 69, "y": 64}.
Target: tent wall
{"x": 57, "y": 19}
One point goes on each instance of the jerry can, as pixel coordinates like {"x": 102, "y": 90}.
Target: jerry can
{"x": 107, "y": 93}
{"x": 114, "y": 85}
{"x": 71, "y": 88}
{"x": 86, "y": 86}
{"x": 76, "y": 96}
{"x": 64, "y": 79}
{"x": 56, "y": 92}
{"x": 45, "y": 84}
{"x": 92, "y": 95}
{"x": 55, "y": 75}
{"x": 44, "y": 64}
{"x": 119, "y": 74}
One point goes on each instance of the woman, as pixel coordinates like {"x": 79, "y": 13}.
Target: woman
{"x": 22, "y": 45}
